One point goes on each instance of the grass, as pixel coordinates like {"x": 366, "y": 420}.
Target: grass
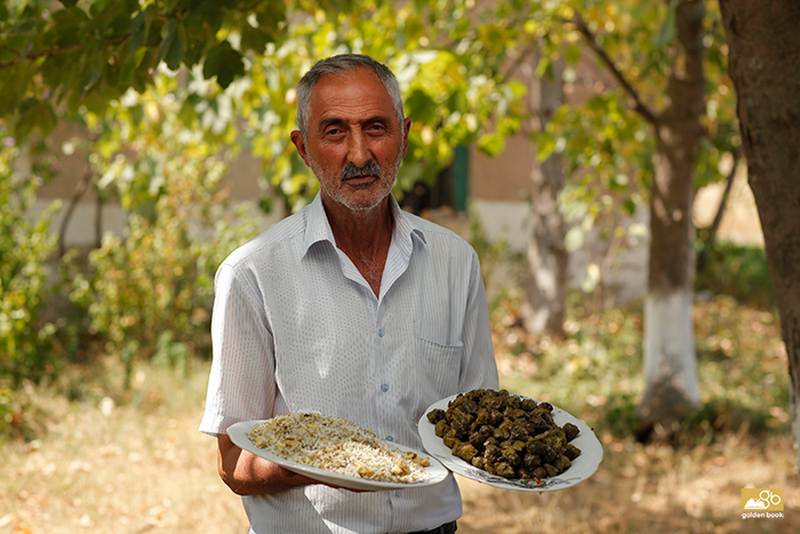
{"x": 119, "y": 461}
{"x": 98, "y": 458}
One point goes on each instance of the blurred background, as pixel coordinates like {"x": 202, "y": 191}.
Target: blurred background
{"x": 143, "y": 141}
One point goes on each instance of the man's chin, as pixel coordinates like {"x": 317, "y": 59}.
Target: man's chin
{"x": 364, "y": 199}
{"x": 363, "y": 206}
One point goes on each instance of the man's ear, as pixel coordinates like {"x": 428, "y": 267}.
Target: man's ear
{"x": 299, "y": 143}
{"x": 406, "y": 129}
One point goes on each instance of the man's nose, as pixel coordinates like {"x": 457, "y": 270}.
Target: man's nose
{"x": 358, "y": 149}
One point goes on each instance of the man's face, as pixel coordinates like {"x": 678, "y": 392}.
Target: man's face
{"x": 354, "y": 144}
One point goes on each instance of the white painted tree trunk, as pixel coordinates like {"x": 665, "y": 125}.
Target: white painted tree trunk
{"x": 669, "y": 354}
{"x": 670, "y": 359}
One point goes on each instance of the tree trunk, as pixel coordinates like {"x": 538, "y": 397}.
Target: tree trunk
{"x": 764, "y": 44}
{"x": 543, "y": 310}
{"x": 670, "y": 359}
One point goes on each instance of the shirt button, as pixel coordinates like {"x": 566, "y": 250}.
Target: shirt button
{"x": 389, "y": 438}
{"x": 384, "y": 387}
{"x": 380, "y": 332}
{"x": 398, "y": 493}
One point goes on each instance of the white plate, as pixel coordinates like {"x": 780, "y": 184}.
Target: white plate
{"x": 436, "y": 471}
{"x": 582, "y": 467}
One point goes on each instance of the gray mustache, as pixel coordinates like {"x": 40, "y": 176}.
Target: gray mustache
{"x": 370, "y": 169}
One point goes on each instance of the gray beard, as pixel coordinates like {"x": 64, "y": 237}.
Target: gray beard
{"x": 351, "y": 170}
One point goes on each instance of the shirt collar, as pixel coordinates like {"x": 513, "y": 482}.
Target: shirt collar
{"x": 318, "y": 227}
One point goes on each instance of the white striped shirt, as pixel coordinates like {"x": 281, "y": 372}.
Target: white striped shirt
{"x": 296, "y": 328}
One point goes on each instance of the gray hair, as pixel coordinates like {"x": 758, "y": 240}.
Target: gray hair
{"x": 338, "y": 65}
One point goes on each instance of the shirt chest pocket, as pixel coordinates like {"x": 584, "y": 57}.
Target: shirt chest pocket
{"x": 439, "y": 367}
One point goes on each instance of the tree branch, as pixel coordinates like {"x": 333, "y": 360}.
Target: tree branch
{"x": 36, "y": 55}
{"x": 591, "y": 39}
{"x": 517, "y": 63}
{"x": 708, "y": 244}
{"x": 80, "y": 189}
{"x": 114, "y": 41}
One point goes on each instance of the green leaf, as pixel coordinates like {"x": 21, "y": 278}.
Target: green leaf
{"x": 546, "y": 145}
{"x": 457, "y": 101}
{"x": 574, "y": 239}
{"x": 492, "y": 144}
{"x": 35, "y": 115}
{"x": 69, "y": 3}
{"x": 629, "y": 206}
{"x": 173, "y": 44}
{"x": 13, "y": 85}
{"x": 591, "y": 277}
{"x": 223, "y": 62}
{"x": 254, "y": 39}
{"x": 421, "y": 106}
{"x": 90, "y": 79}
{"x": 138, "y": 32}
{"x": 69, "y": 27}
{"x": 666, "y": 32}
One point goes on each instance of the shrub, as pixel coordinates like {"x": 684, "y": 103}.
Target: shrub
{"x": 740, "y": 271}
{"x": 148, "y": 294}
{"x": 25, "y": 248}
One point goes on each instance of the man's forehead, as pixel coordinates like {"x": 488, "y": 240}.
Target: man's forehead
{"x": 349, "y": 91}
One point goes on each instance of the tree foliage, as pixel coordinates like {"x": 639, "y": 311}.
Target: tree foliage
{"x": 608, "y": 138}
{"x": 454, "y": 57}
{"x": 83, "y": 54}
{"x": 240, "y": 60}
{"x": 149, "y": 292}
{"x": 25, "y": 248}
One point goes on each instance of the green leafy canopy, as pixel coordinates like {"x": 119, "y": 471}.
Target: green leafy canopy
{"x": 84, "y": 54}
{"x": 240, "y": 60}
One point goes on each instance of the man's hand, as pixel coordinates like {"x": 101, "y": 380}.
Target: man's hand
{"x": 248, "y": 474}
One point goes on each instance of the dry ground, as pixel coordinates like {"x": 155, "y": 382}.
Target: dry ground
{"x": 138, "y": 465}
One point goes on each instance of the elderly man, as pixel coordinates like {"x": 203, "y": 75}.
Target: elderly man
{"x": 351, "y": 308}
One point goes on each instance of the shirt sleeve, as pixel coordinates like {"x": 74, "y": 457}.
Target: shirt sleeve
{"x": 479, "y": 369}
{"x": 241, "y": 383}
